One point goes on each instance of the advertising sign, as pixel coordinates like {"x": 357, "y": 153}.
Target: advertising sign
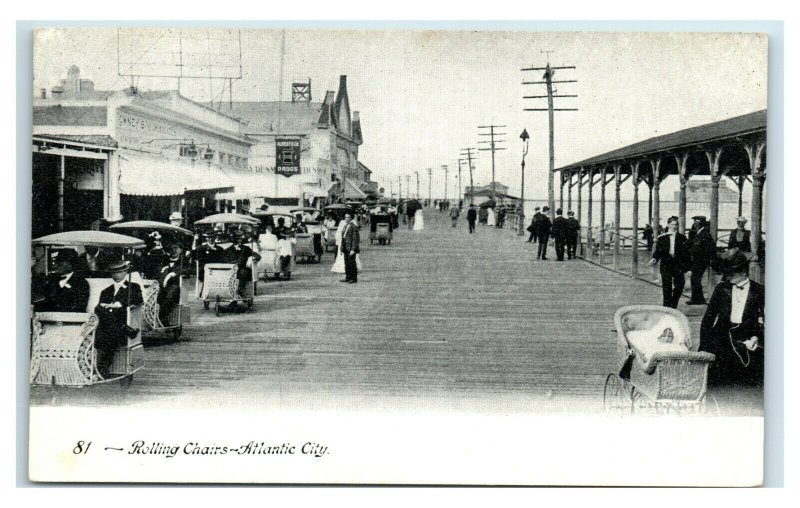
{"x": 287, "y": 157}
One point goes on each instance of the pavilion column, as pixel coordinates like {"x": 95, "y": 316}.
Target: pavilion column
{"x": 62, "y": 171}
{"x": 740, "y": 184}
{"x": 561, "y": 192}
{"x": 655, "y": 216}
{"x": 580, "y": 208}
{"x": 716, "y": 175}
{"x": 617, "y": 186}
{"x": 655, "y": 193}
{"x": 635, "y": 219}
{"x": 755, "y": 152}
{"x": 650, "y": 203}
{"x": 589, "y": 250}
{"x": 603, "y": 183}
{"x": 683, "y": 174}
{"x": 569, "y": 194}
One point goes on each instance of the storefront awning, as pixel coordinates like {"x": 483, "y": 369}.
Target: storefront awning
{"x": 247, "y": 185}
{"x": 145, "y": 175}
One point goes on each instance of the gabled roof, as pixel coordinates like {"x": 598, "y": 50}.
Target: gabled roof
{"x": 263, "y": 117}
{"x": 731, "y": 128}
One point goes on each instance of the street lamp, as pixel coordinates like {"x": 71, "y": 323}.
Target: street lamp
{"x": 524, "y": 137}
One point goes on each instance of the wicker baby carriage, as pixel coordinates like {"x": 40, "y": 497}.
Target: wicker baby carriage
{"x": 660, "y": 370}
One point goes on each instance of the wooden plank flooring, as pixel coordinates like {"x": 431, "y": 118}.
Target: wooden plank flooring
{"x": 440, "y": 319}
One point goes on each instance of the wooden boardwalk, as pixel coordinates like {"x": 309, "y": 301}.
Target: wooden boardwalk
{"x": 440, "y": 320}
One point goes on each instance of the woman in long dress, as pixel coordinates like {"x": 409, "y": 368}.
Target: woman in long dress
{"x": 490, "y": 217}
{"x": 419, "y": 222}
{"x": 338, "y": 265}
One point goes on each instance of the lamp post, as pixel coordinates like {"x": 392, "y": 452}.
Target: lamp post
{"x": 524, "y": 137}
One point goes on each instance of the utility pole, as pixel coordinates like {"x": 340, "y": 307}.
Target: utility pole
{"x": 430, "y": 198}
{"x": 399, "y": 187}
{"x": 492, "y": 142}
{"x": 408, "y": 185}
{"x": 444, "y": 167}
{"x": 460, "y": 195}
{"x": 417, "y": 175}
{"x": 548, "y": 82}
{"x": 469, "y": 154}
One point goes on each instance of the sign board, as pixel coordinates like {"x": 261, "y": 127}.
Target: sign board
{"x": 287, "y": 157}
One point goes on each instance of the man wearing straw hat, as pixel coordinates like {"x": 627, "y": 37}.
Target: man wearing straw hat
{"x": 112, "y": 311}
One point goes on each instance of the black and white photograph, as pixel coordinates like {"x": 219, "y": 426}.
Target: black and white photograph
{"x": 260, "y": 255}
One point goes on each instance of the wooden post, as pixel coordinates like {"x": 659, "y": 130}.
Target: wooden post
{"x": 716, "y": 175}
{"x": 635, "y": 219}
{"x": 602, "y": 213}
{"x": 655, "y": 217}
{"x": 740, "y": 184}
{"x": 755, "y": 153}
{"x": 569, "y": 194}
{"x": 683, "y": 174}
{"x": 617, "y": 185}
{"x": 561, "y": 192}
{"x": 114, "y": 209}
{"x": 580, "y": 206}
{"x": 62, "y": 171}
{"x": 650, "y": 203}
{"x": 589, "y": 250}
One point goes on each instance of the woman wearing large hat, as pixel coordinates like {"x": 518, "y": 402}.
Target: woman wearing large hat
{"x": 733, "y": 325}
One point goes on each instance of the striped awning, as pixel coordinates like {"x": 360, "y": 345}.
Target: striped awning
{"x": 147, "y": 175}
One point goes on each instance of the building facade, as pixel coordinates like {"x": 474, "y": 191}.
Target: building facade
{"x": 128, "y": 155}
{"x": 326, "y": 137}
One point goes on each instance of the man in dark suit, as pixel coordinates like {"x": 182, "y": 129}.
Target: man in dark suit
{"x": 544, "y": 233}
{"x": 350, "y": 247}
{"x": 239, "y": 254}
{"x": 112, "y": 311}
{"x": 208, "y": 252}
{"x": 573, "y": 234}
{"x": 65, "y": 290}
{"x": 472, "y": 217}
{"x": 169, "y": 293}
{"x": 672, "y": 251}
{"x": 733, "y": 326}
{"x": 703, "y": 249}
{"x": 560, "y": 228}
{"x": 533, "y": 229}
{"x": 93, "y": 262}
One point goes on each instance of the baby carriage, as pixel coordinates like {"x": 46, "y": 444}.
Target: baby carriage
{"x": 660, "y": 370}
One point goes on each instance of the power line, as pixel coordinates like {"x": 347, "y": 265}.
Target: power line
{"x": 549, "y": 81}
{"x": 469, "y": 154}
{"x": 493, "y": 147}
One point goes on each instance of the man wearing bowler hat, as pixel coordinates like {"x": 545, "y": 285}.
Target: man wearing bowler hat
{"x": 544, "y": 233}
{"x": 703, "y": 250}
{"x": 112, "y": 311}
{"x": 65, "y": 290}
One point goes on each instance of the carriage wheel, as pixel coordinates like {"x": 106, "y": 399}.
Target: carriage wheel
{"x": 615, "y": 397}
{"x": 205, "y": 304}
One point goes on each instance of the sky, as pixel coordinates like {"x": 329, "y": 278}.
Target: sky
{"x": 422, "y": 94}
